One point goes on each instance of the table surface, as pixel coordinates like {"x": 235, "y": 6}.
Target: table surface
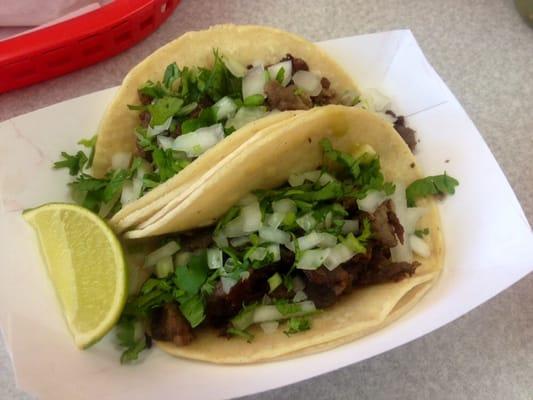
{"x": 484, "y": 52}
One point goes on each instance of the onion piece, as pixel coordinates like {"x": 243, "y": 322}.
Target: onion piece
{"x": 197, "y": 142}
{"x": 224, "y": 108}
{"x": 374, "y": 100}
{"x": 350, "y": 225}
{"x": 182, "y": 258}
{"x": 274, "y": 250}
{"x": 227, "y": 283}
{"x": 164, "y": 267}
{"x": 257, "y": 254}
{"x": 412, "y": 217}
{"x": 325, "y": 178}
{"x": 265, "y": 313}
{"x": 121, "y": 160}
{"x": 371, "y": 201}
{"x": 214, "y": 258}
{"x": 308, "y": 82}
{"x": 220, "y": 240}
{"x": 312, "y": 259}
{"x": 284, "y": 206}
{"x": 269, "y": 327}
{"x": 235, "y": 67}
{"x": 287, "y": 71}
{"x": 254, "y": 82}
{"x": 307, "y": 222}
{"x": 272, "y": 235}
{"x": 349, "y": 98}
{"x": 315, "y": 239}
{"x": 127, "y": 195}
{"x": 165, "y": 142}
{"x": 299, "y": 296}
{"x": 239, "y": 241}
{"x": 275, "y": 219}
{"x": 156, "y": 130}
{"x": 338, "y": 255}
{"x": 248, "y": 221}
{"x": 164, "y": 251}
{"x": 419, "y": 246}
{"x": 246, "y": 115}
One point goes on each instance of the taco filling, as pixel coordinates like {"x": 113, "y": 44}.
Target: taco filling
{"x": 191, "y": 110}
{"x": 280, "y": 256}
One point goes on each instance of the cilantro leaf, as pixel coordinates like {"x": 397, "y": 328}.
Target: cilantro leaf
{"x": 243, "y": 333}
{"x": 422, "y": 232}
{"x": 297, "y": 324}
{"x": 163, "y": 109}
{"x": 90, "y": 144}
{"x": 74, "y": 163}
{"x": 191, "y": 277}
{"x": 172, "y": 73}
{"x": 153, "y": 90}
{"x": 280, "y": 75}
{"x": 430, "y": 185}
{"x": 125, "y": 334}
{"x": 193, "y": 308}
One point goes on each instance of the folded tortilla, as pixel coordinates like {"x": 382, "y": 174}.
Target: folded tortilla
{"x": 267, "y": 162}
{"x": 246, "y": 44}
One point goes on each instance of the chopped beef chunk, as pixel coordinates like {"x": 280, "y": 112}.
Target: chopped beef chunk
{"x": 168, "y": 324}
{"x": 197, "y": 239}
{"x": 281, "y": 292}
{"x": 325, "y": 83}
{"x": 385, "y": 225}
{"x": 324, "y": 286}
{"x": 297, "y": 63}
{"x": 144, "y": 98}
{"x": 285, "y": 98}
{"x": 145, "y": 118}
{"x": 381, "y": 269}
{"x": 350, "y": 205}
{"x": 203, "y": 103}
{"x": 222, "y": 306}
{"x": 326, "y": 95}
{"x": 407, "y": 134}
{"x": 176, "y": 132}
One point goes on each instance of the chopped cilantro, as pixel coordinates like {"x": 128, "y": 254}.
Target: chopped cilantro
{"x": 125, "y": 334}
{"x": 89, "y": 144}
{"x": 191, "y": 277}
{"x": 431, "y": 185}
{"x": 163, "y": 109}
{"x": 153, "y": 90}
{"x": 297, "y": 324}
{"x": 193, "y": 308}
{"x": 75, "y": 163}
{"x": 241, "y": 333}
{"x": 422, "y": 232}
{"x": 280, "y": 75}
{"x": 254, "y": 101}
{"x": 172, "y": 73}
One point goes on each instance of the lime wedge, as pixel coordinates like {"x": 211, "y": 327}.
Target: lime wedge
{"x": 86, "y": 264}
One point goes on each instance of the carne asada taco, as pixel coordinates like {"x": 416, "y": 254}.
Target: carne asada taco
{"x": 193, "y": 92}
{"x": 317, "y": 232}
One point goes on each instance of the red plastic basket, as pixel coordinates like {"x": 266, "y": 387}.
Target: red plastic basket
{"x": 79, "y": 42}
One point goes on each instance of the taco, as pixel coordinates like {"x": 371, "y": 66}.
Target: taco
{"x": 318, "y": 231}
{"x": 186, "y": 97}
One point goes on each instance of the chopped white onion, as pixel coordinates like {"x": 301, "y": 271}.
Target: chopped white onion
{"x": 164, "y": 251}
{"x": 248, "y": 221}
{"x": 239, "y": 241}
{"x": 274, "y": 250}
{"x": 272, "y": 235}
{"x": 325, "y": 178}
{"x": 247, "y": 199}
{"x": 229, "y": 265}
{"x": 105, "y": 208}
{"x": 284, "y": 206}
{"x": 275, "y": 219}
{"x": 220, "y": 240}
{"x": 312, "y": 259}
{"x": 246, "y": 115}
{"x": 227, "y": 283}
{"x": 165, "y": 142}
{"x": 371, "y": 201}
{"x": 128, "y": 194}
{"x": 306, "y": 222}
{"x": 235, "y": 67}
{"x": 120, "y": 160}
{"x": 258, "y": 254}
{"x": 164, "y": 267}
{"x": 299, "y": 179}
{"x": 182, "y": 258}
{"x": 401, "y": 252}
{"x": 269, "y": 327}
{"x": 299, "y": 296}
{"x": 419, "y": 246}
{"x": 244, "y": 275}
{"x": 156, "y": 130}
{"x": 349, "y": 98}
{"x": 328, "y": 220}
{"x": 197, "y": 142}
{"x": 214, "y": 258}
{"x": 266, "y": 299}
{"x": 287, "y": 71}
{"x": 350, "y": 225}
{"x": 254, "y": 82}
{"x": 338, "y": 255}
{"x": 308, "y": 81}
{"x": 298, "y": 284}
{"x": 296, "y": 180}
{"x": 315, "y": 239}
{"x": 412, "y": 217}
{"x": 265, "y": 313}
{"x": 224, "y": 108}
{"x": 374, "y": 100}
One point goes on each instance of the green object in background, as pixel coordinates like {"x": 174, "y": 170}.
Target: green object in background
{"x": 525, "y": 8}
